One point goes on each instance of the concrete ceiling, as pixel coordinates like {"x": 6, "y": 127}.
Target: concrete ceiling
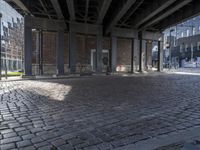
{"x": 136, "y": 14}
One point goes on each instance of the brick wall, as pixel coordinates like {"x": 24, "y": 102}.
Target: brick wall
{"x": 84, "y": 44}
{"x": 124, "y": 48}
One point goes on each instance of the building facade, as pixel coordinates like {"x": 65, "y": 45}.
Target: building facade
{"x": 12, "y": 34}
{"x": 182, "y": 42}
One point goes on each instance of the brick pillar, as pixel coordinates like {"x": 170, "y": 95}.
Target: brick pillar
{"x": 72, "y": 51}
{"x": 113, "y": 53}
{"x": 149, "y": 55}
{"x": 60, "y": 52}
{"x": 99, "y": 53}
{"x": 134, "y": 55}
{"x": 142, "y": 55}
{"x": 41, "y": 71}
{"x": 27, "y": 50}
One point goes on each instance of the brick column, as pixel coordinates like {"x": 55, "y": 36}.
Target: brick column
{"x": 27, "y": 50}
{"x": 99, "y": 53}
{"x": 72, "y": 51}
{"x": 134, "y": 55}
{"x": 60, "y": 52}
{"x": 142, "y": 55}
{"x": 113, "y": 53}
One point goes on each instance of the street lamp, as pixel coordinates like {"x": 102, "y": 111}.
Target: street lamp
{"x": 0, "y": 44}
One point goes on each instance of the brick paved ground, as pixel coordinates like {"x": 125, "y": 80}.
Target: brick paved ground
{"x": 96, "y": 113}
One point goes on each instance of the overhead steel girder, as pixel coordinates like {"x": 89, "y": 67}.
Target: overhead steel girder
{"x": 102, "y": 12}
{"x": 45, "y": 24}
{"x": 152, "y": 10}
{"x": 120, "y": 14}
{"x": 71, "y": 9}
{"x": 57, "y": 8}
{"x": 170, "y": 11}
{"x": 20, "y": 5}
{"x": 180, "y": 16}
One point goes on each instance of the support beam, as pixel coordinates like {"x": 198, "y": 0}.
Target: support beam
{"x": 186, "y": 13}
{"x": 135, "y": 55}
{"x": 72, "y": 52}
{"x": 160, "y": 56}
{"x": 113, "y": 53}
{"x": 45, "y": 24}
{"x": 45, "y": 9}
{"x": 86, "y": 10}
{"x": 60, "y": 52}
{"x": 151, "y": 10}
{"x": 37, "y": 46}
{"x": 0, "y": 46}
{"x": 99, "y": 52}
{"x": 57, "y": 8}
{"x": 154, "y": 36}
{"x": 171, "y": 10}
{"x": 85, "y": 28}
{"x": 120, "y": 14}
{"x": 142, "y": 51}
{"x": 71, "y": 9}
{"x": 20, "y": 5}
{"x": 41, "y": 52}
{"x": 125, "y": 33}
{"x": 27, "y": 50}
{"x": 131, "y": 11}
{"x": 102, "y": 12}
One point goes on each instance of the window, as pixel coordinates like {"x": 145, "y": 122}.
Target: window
{"x": 182, "y": 34}
{"x": 193, "y": 31}
{"x": 198, "y": 46}
{"x": 188, "y": 32}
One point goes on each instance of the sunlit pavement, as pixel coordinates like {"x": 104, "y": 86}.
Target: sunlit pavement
{"x": 99, "y": 113}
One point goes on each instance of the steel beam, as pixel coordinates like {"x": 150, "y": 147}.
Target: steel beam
{"x": 71, "y": 9}
{"x": 86, "y": 10}
{"x": 45, "y": 9}
{"x": 57, "y": 8}
{"x": 84, "y": 28}
{"x": 120, "y": 14}
{"x": 170, "y": 11}
{"x": 152, "y": 10}
{"x": 125, "y": 33}
{"x": 154, "y": 36}
{"x": 131, "y": 12}
{"x": 104, "y": 8}
{"x": 186, "y": 13}
{"x": 20, "y": 4}
{"x": 42, "y": 23}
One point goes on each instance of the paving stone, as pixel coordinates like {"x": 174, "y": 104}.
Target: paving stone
{"x": 7, "y": 146}
{"x": 66, "y": 147}
{"x": 10, "y": 140}
{"x": 97, "y": 112}
{"x": 24, "y": 143}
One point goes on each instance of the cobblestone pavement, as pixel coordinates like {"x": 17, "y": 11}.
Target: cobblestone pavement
{"x": 96, "y": 113}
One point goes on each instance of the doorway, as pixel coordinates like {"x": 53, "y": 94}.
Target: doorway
{"x": 93, "y": 63}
